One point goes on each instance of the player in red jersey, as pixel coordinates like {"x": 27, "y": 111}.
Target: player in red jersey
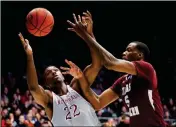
{"x": 137, "y": 88}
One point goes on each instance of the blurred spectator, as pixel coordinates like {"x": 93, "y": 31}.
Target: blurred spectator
{"x": 173, "y": 112}
{"x": 124, "y": 119}
{"x": 165, "y": 108}
{"x": 25, "y": 97}
{"x": 5, "y": 93}
{"x": 110, "y": 123}
{"x": 98, "y": 89}
{"x": 170, "y": 104}
{"x": 22, "y": 122}
{"x": 30, "y": 120}
{"x": 167, "y": 117}
{"x": 12, "y": 120}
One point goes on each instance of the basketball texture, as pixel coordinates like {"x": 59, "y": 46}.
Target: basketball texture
{"x": 39, "y": 22}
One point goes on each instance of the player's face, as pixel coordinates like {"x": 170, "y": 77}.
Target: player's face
{"x": 53, "y": 75}
{"x": 131, "y": 53}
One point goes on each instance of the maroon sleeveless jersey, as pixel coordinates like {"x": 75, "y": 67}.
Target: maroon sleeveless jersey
{"x": 140, "y": 94}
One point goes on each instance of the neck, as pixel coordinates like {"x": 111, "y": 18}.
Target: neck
{"x": 61, "y": 89}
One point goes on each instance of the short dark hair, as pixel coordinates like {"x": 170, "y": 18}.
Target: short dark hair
{"x": 144, "y": 49}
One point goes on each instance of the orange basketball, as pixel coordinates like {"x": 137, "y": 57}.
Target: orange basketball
{"x": 39, "y": 22}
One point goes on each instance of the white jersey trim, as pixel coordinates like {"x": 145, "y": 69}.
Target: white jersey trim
{"x": 151, "y": 98}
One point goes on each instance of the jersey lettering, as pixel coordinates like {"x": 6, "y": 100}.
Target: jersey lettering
{"x": 126, "y": 89}
{"x": 134, "y": 111}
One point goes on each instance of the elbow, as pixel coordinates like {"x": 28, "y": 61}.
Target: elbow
{"x": 97, "y": 108}
{"x": 32, "y": 89}
{"x": 108, "y": 65}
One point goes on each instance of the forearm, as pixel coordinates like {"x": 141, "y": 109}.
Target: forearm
{"x": 106, "y": 57}
{"x": 92, "y": 70}
{"x": 95, "y": 55}
{"x": 108, "y": 60}
{"x": 92, "y": 35}
{"x": 90, "y": 95}
{"x": 32, "y": 79}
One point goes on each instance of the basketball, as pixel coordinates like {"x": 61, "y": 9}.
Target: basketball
{"x": 39, "y": 22}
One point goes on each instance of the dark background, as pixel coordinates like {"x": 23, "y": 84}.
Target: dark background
{"x": 115, "y": 25}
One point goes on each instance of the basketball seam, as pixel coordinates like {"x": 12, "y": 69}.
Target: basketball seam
{"x": 41, "y": 23}
{"x": 35, "y": 27}
{"x": 45, "y": 28}
{"x": 42, "y": 29}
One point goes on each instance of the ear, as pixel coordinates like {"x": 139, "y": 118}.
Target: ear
{"x": 140, "y": 55}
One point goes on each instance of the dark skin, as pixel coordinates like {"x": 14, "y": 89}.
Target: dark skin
{"x": 53, "y": 76}
{"x": 109, "y": 61}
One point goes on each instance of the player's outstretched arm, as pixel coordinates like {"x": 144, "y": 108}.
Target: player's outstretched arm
{"x": 92, "y": 70}
{"x": 37, "y": 91}
{"x": 98, "y": 102}
{"x": 109, "y": 61}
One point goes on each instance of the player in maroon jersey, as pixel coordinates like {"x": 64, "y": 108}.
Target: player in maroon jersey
{"x": 137, "y": 88}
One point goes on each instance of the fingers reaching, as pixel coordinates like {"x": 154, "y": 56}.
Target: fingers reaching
{"x": 73, "y": 70}
{"x": 65, "y": 68}
{"x": 85, "y": 14}
{"x": 71, "y": 64}
{"x": 71, "y": 24}
{"x": 88, "y": 17}
{"x": 66, "y": 72}
{"x": 89, "y": 13}
{"x": 75, "y": 19}
{"x": 20, "y": 35}
{"x": 25, "y": 42}
{"x": 79, "y": 18}
{"x": 79, "y": 25}
{"x": 71, "y": 29}
{"x": 21, "y": 38}
{"x": 84, "y": 20}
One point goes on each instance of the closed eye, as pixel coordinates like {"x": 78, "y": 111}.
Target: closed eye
{"x": 47, "y": 72}
{"x": 129, "y": 49}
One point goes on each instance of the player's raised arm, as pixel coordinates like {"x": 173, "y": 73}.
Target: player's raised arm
{"x": 92, "y": 70}
{"x": 37, "y": 91}
{"x": 98, "y": 102}
{"x": 108, "y": 59}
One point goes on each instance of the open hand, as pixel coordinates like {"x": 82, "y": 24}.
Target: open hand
{"x": 78, "y": 26}
{"x": 25, "y": 44}
{"x": 74, "y": 70}
{"x": 88, "y": 22}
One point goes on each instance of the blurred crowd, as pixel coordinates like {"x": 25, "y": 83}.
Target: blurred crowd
{"x": 18, "y": 108}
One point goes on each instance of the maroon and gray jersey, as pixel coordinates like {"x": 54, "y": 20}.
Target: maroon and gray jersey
{"x": 140, "y": 94}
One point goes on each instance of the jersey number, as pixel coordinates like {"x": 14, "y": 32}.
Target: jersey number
{"x": 75, "y": 112}
{"x": 127, "y": 101}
